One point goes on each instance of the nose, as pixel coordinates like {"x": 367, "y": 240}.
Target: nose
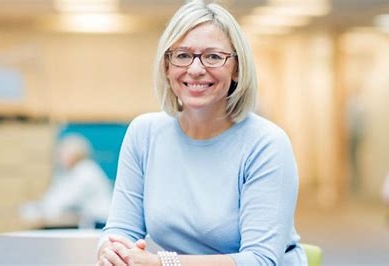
{"x": 196, "y": 67}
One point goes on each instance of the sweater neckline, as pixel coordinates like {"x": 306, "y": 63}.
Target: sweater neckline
{"x": 209, "y": 141}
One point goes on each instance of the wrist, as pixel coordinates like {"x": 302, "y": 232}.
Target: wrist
{"x": 156, "y": 260}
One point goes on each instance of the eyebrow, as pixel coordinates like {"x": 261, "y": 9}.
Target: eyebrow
{"x": 204, "y": 49}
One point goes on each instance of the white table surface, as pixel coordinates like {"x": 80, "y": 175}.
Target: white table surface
{"x": 53, "y": 247}
{"x": 49, "y": 247}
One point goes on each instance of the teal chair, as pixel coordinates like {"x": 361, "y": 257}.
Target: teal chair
{"x": 314, "y": 254}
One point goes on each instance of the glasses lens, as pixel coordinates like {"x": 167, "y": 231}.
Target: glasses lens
{"x": 181, "y": 58}
{"x": 213, "y": 59}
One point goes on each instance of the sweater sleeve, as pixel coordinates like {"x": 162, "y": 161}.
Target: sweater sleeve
{"x": 126, "y": 215}
{"x": 267, "y": 202}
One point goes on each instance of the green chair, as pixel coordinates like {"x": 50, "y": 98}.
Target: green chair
{"x": 314, "y": 254}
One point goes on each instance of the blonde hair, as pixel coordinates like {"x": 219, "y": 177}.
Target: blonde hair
{"x": 192, "y": 14}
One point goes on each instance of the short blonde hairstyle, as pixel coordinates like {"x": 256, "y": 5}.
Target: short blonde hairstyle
{"x": 192, "y": 14}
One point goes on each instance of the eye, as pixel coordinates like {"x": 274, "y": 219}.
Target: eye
{"x": 214, "y": 56}
{"x": 182, "y": 55}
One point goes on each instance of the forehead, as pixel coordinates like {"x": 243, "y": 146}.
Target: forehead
{"x": 205, "y": 36}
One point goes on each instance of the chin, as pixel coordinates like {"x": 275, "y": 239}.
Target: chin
{"x": 195, "y": 105}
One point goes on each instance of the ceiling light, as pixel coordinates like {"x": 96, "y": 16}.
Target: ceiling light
{"x": 293, "y": 10}
{"x": 250, "y": 29}
{"x": 272, "y": 20}
{"x": 86, "y": 6}
{"x": 90, "y": 23}
{"x": 382, "y": 22}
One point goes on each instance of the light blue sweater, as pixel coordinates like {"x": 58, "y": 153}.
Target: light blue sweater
{"x": 232, "y": 194}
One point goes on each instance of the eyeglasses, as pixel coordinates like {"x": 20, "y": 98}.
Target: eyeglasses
{"x": 183, "y": 58}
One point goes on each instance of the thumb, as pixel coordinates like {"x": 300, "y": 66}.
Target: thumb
{"x": 141, "y": 243}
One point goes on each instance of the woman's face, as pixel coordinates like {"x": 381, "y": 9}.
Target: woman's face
{"x": 201, "y": 88}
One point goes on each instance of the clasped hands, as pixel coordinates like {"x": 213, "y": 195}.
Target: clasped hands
{"x": 119, "y": 251}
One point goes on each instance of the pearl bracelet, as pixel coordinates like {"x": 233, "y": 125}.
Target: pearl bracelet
{"x": 169, "y": 258}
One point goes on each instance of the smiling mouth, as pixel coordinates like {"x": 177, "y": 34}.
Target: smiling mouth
{"x": 198, "y": 86}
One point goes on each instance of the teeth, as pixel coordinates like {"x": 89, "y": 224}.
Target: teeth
{"x": 198, "y": 86}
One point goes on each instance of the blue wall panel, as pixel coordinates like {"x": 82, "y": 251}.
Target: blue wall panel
{"x": 105, "y": 138}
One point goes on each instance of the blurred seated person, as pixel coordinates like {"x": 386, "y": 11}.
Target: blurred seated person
{"x": 79, "y": 188}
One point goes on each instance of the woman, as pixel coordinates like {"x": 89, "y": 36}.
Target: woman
{"x": 79, "y": 188}
{"x": 208, "y": 180}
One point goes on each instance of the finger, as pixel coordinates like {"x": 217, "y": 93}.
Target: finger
{"x": 103, "y": 262}
{"x": 106, "y": 262}
{"x": 141, "y": 243}
{"x": 126, "y": 242}
{"x": 106, "y": 244}
{"x": 113, "y": 258}
{"x": 121, "y": 250}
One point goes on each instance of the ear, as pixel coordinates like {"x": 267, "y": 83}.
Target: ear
{"x": 235, "y": 74}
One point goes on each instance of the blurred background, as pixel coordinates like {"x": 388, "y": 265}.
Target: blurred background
{"x": 86, "y": 65}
